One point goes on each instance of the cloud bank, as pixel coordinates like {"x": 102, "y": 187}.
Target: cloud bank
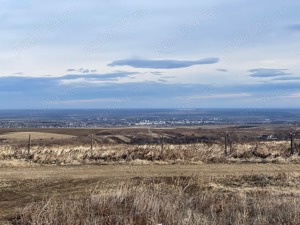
{"x": 263, "y": 72}
{"x": 162, "y": 64}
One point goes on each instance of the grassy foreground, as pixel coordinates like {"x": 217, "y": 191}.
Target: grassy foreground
{"x": 243, "y": 199}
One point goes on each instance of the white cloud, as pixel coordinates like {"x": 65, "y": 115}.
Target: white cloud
{"x": 219, "y": 96}
{"x": 294, "y": 95}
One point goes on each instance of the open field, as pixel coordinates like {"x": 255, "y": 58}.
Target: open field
{"x": 21, "y": 136}
{"x": 144, "y": 135}
{"x": 20, "y": 186}
{"x": 149, "y": 176}
{"x": 42, "y": 194}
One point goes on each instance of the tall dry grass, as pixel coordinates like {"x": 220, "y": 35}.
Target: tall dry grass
{"x": 274, "y": 152}
{"x": 175, "y": 201}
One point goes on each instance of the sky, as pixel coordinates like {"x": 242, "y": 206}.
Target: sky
{"x": 149, "y": 54}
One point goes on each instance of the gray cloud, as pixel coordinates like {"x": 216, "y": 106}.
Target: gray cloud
{"x": 286, "y": 78}
{"x": 222, "y": 70}
{"x": 264, "y": 72}
{"x": 162, "y": 80}
{"x": 108, "y": 76}
{"x": 162, "y": 64}
{"x": 156, "y": 73}
{"x": 19, "y": 73}
{"x": 167, "y": 77}
{"x": 82, "y": 70}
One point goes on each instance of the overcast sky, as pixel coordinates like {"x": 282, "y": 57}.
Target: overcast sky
{"x": 173, "y": 54}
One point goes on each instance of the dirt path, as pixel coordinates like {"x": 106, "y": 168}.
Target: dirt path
{"x": 128, "y": 171}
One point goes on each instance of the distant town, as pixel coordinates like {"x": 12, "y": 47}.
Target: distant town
{"x": 142, "y": 117}
{"x": 90, "y": 123}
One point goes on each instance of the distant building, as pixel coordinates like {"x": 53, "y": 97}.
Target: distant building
{"x": 268, "y": 137}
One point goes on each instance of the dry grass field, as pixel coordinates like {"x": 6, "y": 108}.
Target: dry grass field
{"x": 168, "y": 194}
{"x": 22, "y": 136}
{"x": 143, "y": 194}
{"x": 133, "y": 176}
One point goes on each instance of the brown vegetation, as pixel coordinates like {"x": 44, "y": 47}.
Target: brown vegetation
{"x": 141, "y": 145}
{"x": 263, "y": 151}
{"x": 251, "y": 199}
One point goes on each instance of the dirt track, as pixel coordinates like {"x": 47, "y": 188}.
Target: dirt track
{"x": 129, "y": 171}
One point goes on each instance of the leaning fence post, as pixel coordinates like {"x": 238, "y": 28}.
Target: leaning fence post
{"x": 29, "y": 146}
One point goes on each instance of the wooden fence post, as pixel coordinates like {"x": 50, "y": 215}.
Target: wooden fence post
{"x": 161, "y": 144}
{"x": 92, "y": 143}
{"x": 292, "y": 143}
{"x": 29, "y": 147}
